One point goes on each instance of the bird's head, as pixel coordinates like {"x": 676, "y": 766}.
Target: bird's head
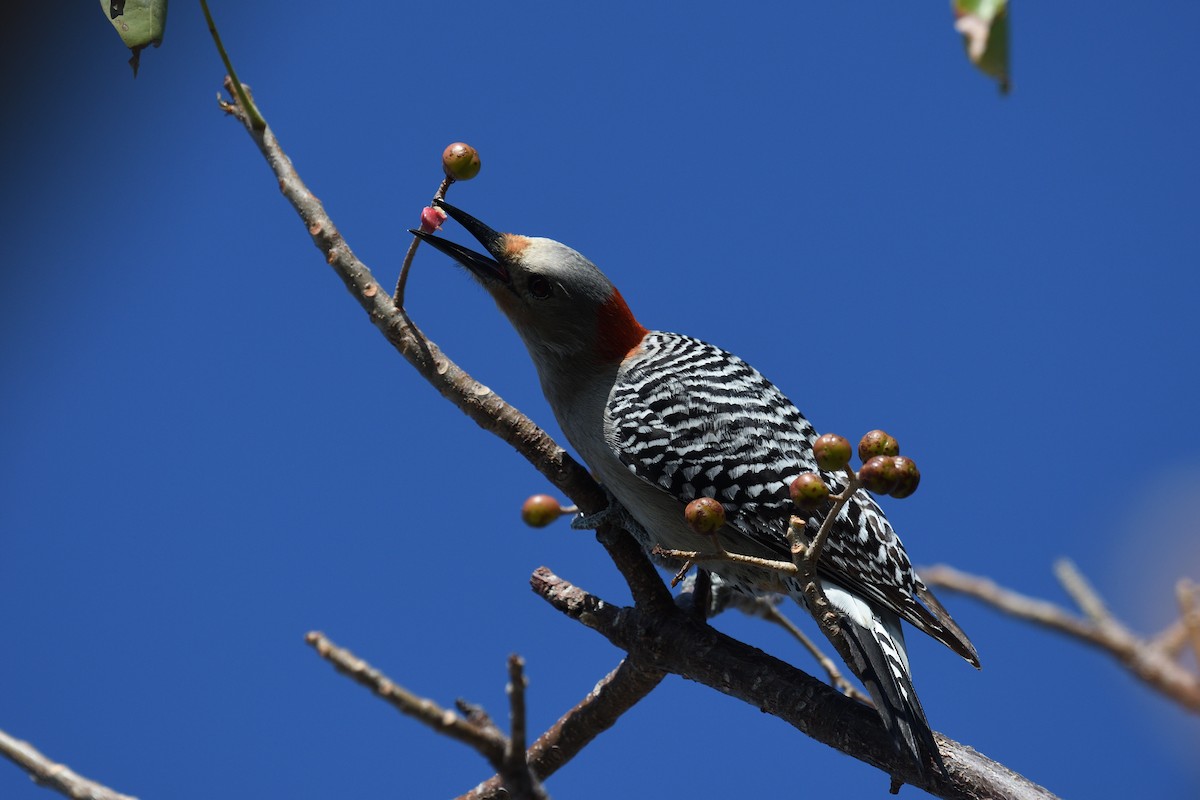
{"x": 561, "y": 304}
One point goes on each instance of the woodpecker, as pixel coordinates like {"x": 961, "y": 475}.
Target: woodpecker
{"x": 662, "y": 419}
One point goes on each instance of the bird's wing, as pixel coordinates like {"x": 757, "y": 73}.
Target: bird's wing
{"x": 695, "y": 421}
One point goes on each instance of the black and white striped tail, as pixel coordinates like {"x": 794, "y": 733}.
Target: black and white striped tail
{"x": 881, "y": 662}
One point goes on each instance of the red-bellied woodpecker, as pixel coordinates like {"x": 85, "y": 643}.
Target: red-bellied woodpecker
{"x": 663, "y": 419}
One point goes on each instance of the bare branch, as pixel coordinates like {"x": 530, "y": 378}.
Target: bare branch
{"x": 1151, "y": 661}
{"x": 517, "y": 778}
{"x": 670, "y": 642}
{"x": 1081, "y": 592}
{"x": 615, "y": 694}
{"x": 516, "y": 696}
{"x": 1186, "y": 593}
{"x": 692, "y": 557}
{"x": 53, "y": 775}
{"x": 483, "y": 738}
{"x": 474, "y": 399}
{"x": 406, "y": 265}
{"x": 771, "y": 613}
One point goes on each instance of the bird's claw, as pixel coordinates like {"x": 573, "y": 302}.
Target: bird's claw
{"x": 612, "y": 514}
{"x": 590, "y": 522}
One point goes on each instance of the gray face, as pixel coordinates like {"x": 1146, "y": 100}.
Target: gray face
{"x": 552, "y": 295}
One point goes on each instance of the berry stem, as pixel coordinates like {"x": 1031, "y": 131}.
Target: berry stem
{"x": 839, "y": 502}
{"x": 697, "y": 556}
{"x": 402, "y": 281}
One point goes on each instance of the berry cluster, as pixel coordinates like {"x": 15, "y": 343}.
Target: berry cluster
{"x": 884, "y": 470}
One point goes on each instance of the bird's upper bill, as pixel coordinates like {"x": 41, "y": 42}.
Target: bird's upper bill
{"x": 500, "y": 246}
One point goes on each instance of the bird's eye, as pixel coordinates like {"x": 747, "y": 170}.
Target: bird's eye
{"x": 539, "y": 287}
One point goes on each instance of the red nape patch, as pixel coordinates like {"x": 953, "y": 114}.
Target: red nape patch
{"x": 618, "y": 334}
{"x": 514, "y": 244}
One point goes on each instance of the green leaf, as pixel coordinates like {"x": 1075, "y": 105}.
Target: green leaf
{"x": 140, "y": 24}
{"x": 984, "y": 28}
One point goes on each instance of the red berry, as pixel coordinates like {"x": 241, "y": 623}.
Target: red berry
{"x": 831, "y": 451}
{"x": 540, "y": 510}
{"x": 704, "y": 515}
{"x": 432, "y": 219}
{"x": 460, "y": 161}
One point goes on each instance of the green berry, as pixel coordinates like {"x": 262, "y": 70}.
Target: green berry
{"x": 908, "y": 476}
{"x": 879, "y": 474}
{"x": 809, "y": 491}
{"x": 831, "y": 451}
{"x": 460, "y": 161}
{"x": 704, "y": 515}
{"x": 540, "y": 510}
{"x": 877, "y": 443}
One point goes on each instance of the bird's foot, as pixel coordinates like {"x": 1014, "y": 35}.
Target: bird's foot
{"x": 612, "y": 514}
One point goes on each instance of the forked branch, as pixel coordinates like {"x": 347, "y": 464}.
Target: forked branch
{"x": 1154, "y": 661}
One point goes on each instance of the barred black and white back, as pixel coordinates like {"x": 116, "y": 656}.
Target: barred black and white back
{"x": 693, "y": 420}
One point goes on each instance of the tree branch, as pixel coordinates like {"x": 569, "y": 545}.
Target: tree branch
{"x": 484, "y": 738}
{"x": 676, "y": 643}
{"x": 1153, "y": 662}
{"x": 471, "y": 397}
{"x": 616, "y": 693}
{"x": 517, "y": 777}
{"x": 771, "y": 613}
{"x": 52, "y": 775}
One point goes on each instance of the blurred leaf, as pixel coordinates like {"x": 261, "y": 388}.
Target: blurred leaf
{"x": 984, "y": 28}
{"x": 139, "y": 22}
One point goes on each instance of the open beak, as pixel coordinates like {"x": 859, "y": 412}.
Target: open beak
{"x": 486, "y": 268}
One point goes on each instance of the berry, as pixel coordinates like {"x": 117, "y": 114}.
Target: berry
{"x": 908, "y": 476}
{"x": 460, "y": 161}
{"x": 432, "y": 219}
{"x": 879, "y": 474}
{"x": 831, "y": 451}
{"x": 704, "y": 515}
{"x": 540, "y": 510}
{"x": 877, "y": 443}
{"x": 808, "y": 491}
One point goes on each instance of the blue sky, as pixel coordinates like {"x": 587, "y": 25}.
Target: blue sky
{"x": 207, "y": 451}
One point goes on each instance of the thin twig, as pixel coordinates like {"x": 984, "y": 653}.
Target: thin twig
{"x": 615, "y": 694}
{"x": 692, "y": 557}
{"x": 474, "y": 399}
{"x": 1189, "y": 614}
{"x": 840, "y": 500}
{"x": 771, "y": 613}
{"x": 424, "y": 710}
{"x": 516, "y": 704}
{"x": 477, "y": 715}
{"x": 53, "y": 775}
{"x": 822, "y": 611}
{"x": 402, "y": 281}
{"x": 1081, "y": 592}
{"x": 1172, "y": 639}
{"x": 1152, "y": 661}
{"x": 256, "y": 118}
